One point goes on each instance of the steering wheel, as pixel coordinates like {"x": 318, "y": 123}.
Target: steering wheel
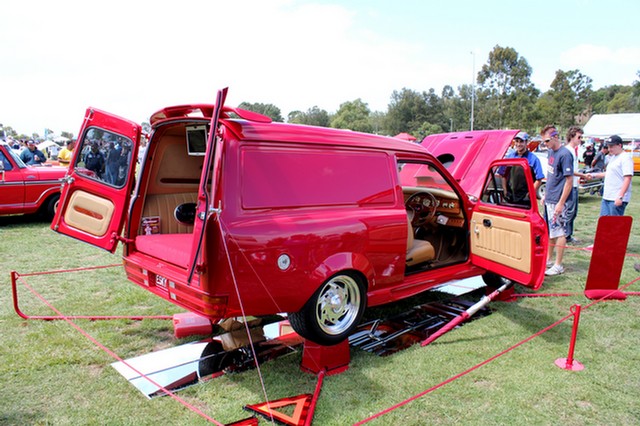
{"x": 424, "y": 205}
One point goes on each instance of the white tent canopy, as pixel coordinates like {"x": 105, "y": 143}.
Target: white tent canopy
{"x": 601, "y": 126}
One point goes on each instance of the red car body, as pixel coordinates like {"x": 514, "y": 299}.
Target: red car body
{"x": 232, "y": 215}
{"x": 27, "y": 189}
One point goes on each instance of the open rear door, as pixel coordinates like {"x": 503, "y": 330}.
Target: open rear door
{"x": 508, "y": 234}
{"x": 97, "y": 189}
{"x": 208, "y": 185}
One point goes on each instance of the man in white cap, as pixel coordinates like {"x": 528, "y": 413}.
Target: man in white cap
{"x": 617, "y": 179}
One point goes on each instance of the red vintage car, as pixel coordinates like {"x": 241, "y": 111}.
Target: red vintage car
{"x": 27, "y": 189}
{"x": 230, "y": 214}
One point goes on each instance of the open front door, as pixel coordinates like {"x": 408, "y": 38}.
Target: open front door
{"x": 97, "y": 189}
{"x": 508, "y": 235}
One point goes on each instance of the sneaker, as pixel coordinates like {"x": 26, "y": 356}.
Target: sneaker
{"x": 550, "y": 263}
{"x": 554, "y": 270}
{"x": 573, "y": 241}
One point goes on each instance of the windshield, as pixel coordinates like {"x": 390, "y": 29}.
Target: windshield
{"x": 16, "y": 159}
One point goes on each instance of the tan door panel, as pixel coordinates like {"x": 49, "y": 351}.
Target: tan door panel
{"x": 503, "y": 240}
{"x": 89, "y": 213}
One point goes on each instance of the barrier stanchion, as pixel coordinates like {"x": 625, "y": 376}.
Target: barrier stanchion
{"x": 569, "y": 363}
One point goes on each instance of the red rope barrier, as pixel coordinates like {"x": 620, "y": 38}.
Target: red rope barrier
{"x": 116, "y": 357}
{"x": 485, "y": 362}
{"x": 15, "y": 276}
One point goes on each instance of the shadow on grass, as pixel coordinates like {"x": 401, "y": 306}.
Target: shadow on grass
{"x": 533, "y": 321}
{"x": 23, "y": 418}
{"x": 23, "y": 219}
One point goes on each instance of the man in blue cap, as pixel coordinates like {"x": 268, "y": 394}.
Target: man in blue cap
{"x": 521, "y": 150}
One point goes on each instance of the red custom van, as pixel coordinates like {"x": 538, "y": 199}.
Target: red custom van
{"x": 230, "y": 214}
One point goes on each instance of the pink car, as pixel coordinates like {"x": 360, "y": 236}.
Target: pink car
{"x": 230, "y": 214}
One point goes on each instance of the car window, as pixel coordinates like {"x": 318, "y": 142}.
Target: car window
{"x": 6, "y": 165}
{"x": 507, "y": 186}
{"x": 413, "y": 174}
{"x": 104, "y": 156}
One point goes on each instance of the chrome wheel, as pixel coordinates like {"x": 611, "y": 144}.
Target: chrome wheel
{"x": 338, "y": 305}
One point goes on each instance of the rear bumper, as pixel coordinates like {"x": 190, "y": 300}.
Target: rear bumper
{"x": 170, "y": 283}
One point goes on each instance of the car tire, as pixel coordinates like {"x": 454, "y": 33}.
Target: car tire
{"x": 493, "y": 280}
{"x": 50, "y": 206}
{"x": 334, "y": 310}
{"x": 542, "y": 190}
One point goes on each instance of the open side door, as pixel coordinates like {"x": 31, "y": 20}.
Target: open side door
{"x": 97, "y": 188}
{"x": 508, "y": 235}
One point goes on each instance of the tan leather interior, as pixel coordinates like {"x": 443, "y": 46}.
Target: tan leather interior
{"x": 163, "y": 206}
{"x": 89, "y": 213}
{"x": 418, "y": 251}
{"x": 502, "y": 239}
{"x": 173, "y": 170}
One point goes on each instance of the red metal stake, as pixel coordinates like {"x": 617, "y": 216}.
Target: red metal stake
{"x": 569, "y": 363}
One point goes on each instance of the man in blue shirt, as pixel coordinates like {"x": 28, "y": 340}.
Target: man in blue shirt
{"x": 522, "y": 151}
{"x": 32, "y": 155}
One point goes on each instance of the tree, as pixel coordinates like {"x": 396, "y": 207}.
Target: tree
{"x": 314, "y": 117}
{"x": 501, "y": 80}
{"x": 269, "y": 110}
{"x": 570, "y": 96}
{"x": 353, "y": 115}
{"x": 67, "y": 135}
{"x": 407, "y": 111}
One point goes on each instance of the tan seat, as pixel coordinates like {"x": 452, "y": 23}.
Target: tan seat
{"x": 418, "y": 251}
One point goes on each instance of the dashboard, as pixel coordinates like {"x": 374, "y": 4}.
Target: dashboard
{"x": 444, "y": 203}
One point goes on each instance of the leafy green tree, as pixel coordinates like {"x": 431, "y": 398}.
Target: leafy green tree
{"x": 427, "y": 129}
{"x": 314, "y": 117}
{"x": 353, "y": 115}
{"x": 622, "y": 102}
{"x": 407, "y": 111}
{"x": 8, "y": 131}
{"x": 501, "y": 80}
{"x": 603, "y": 97}
{"x": 269, "y": 110}
{"x": 377, "y": 119}
{"x": 570, "y": 97}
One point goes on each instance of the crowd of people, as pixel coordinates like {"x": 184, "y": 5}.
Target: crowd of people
{"x": 108, "y": 160}
{"x": 561, "y": 197}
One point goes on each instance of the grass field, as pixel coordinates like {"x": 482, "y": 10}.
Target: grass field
{"x": 50, "y": 374}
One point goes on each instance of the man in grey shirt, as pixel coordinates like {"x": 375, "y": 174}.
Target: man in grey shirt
{"x": 558, "y": 191}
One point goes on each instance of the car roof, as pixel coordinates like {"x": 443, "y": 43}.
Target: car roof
{"x": 258, "y": 127}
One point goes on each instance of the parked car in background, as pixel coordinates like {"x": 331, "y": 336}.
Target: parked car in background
{"x": 634, "y": 149}
{"x": 231, "y": 214}
{"x": 27, "y": 189}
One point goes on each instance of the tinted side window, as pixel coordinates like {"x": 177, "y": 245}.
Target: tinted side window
{"x": 507, "y": 186}
{"x": 6, "y": 165}
{"x": 104, "y": 156}
{"x": 281, "y": 178}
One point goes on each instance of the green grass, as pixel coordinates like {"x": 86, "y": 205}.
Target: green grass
{"x": 51, "y": 374}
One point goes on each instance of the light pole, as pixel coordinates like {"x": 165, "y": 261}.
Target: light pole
{"x": 473, "y": 84}
{"x": 451, "y": 125}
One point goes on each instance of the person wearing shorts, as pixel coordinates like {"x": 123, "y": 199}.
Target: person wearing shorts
{"x": 557, "y": 198}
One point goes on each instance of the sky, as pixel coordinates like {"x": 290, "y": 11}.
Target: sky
{"x": 134, "y": 57}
